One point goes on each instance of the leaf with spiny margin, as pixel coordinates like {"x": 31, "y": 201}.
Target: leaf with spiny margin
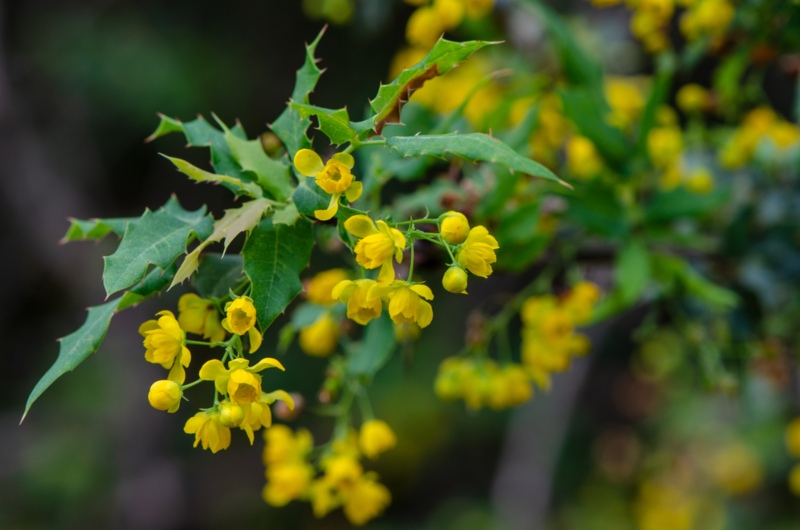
{"x": 443, "y": 57}
{"x": 82, "y": 230}
{"x": 240, "y": 187}
{"x": 287, "y": 214}
{"x": 474, "y": 147}
{"x": 78, "y": 345}
{"x": 290, "y": 126}
{"x": 234, "y": 222}
{"x": 156, "y": 238}
{"x": 218, "y": 274}
{"x": 374, "y": 350}
{"x": 334, "y": 123}
{"x": 272, "y": 175}
{"x": 274, "y": 255}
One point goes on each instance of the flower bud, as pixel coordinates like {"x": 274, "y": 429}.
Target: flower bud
{"x": 455, "y": 280}
{"x": 454, "y": 227}
{"x": 376, "y": 437}
{"x": 230, "y": 414}
{"x": 165, "y": 395}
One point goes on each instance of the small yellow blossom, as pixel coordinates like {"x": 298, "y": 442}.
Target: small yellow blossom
{"x": 239, "y": 381}
{"x": 367, "y": 499}
{"x": 377, "y": 245}
{"x": 241, "y": 319}
{"x": 424, "y": 27}
{"x": 512, "y": 387}
{"x": 407, "y": 302}
{"x": 580, "y": 301}
{"x": 286, "y": 482}
{"x": 165, "y": 344}
{"x": 165, "y": 395}
{"x": 477, "y": 252}
{"x": 692, "y": 98}
{"x": 626, "y": 99}
{"x": 208, "y": 431}
{"x": 700, "y": 181}
{"x": 664, "y": 145}
{"x": 320, "y": 338}
{"x": 478, "y": 8}
{"x": 376, "y": 437}
{"x": 318, "y": 289}
{"x": 449, "y": 12}
{"x": 455, "y": 280}
{"x": 354, "y": 293}
{"x": 406, "y": 332}
{"x": 793, "y": 437}
{"x": 333, "y": 177}
{"x": 197, "y": 315}
{"x": 736, "y": 469}
{"x": 794, "y": 480}
{"x": 454, "y": 227}
{"x": 342, "y": 470}
{"x": 583, "y": 161}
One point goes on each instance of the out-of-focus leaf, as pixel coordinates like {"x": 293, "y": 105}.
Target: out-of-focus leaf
{"x": 671, "y": 270}
{"x": 290, "y": 126}
{"x": 632, "y": 272}
{"x": 218, "y": 274}
{"x": 156, "y": 238}
{"x": 474, "y": 147}
{"x": 274, "y": 255}
{"x": 595, "y": 208}
{"x": 669, "y": 205}
{"x": 374, "y": 350}
{"x": 306, "y": 314}
{"x": 658, "y": 95}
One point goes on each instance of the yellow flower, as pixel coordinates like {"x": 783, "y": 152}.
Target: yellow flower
{"x": 512, "y": 387}
{"x": 448, "y": 385}
{"x": 580, "y": 302}
{"x": 406, "y": 301}
{"x": 455, "y": 280}
{"x": 320, "y": 338}
{"x": 333, "y": 177}
{"x": 424, "y": 27}
{"x": 477, "y": 252}
{"x": 784, "y": 133}
{"x": 377, "y": 246}
{"x": 286, "y": 482}
{"x": 454, "y": 227}
{"x": 283, "y": 446}
{"x": 199, "y": 316}
{"x": 366, "y": 501}
{"x": 318, "y": 289}
{"x": 449, "y": 12}
{"x": 692, "y": 98}
{"x": 794, "y": 480}
{"x": 354, "y": 294}
{"x": 208, "y": 431}
{"x": 478, "y": 8}
{"x": 736, "y": 469}
{"x": 258, "y": 414}
{"x": 406, "y": 332}
{"x": 624, "y": 96}
{"x": 165, "y": 344}
{"x": 341, "y": 470}
{"x": 793, "y": 437}
{"x": 165, "y": 395}
{"x": 231, "y": 414}
{"x": 701, "y": 181}
{"x": 583, "y": 160}
{"x": 241, "y": 319}
{"x": 324, "y": 498}
{"x": 376, "y": 437}
{"x": 239, "y": 381}
{"x": 664, "y": 145}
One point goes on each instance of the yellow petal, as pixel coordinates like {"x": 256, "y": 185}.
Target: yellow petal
{"x": 282, "y": 395}
{"x": 177, "y": 374}
{"x": 346, "y": 159}
{"x": 360, "y": 226}
{"x": 340, "y": 287}
{"x": 379, "y": 290}
{"x": 353, "y": 192}
{"x": 249, "y": 430}
{"x": 255, "y": 339}
{"x": 308, "y": 163}
{"x": 423, "y": 290}
{"x": 424, "y": 314}
{"x": 212, "y": 370}
{"x": 387, "y": 272}
{"x": 333, "y": 206}
{"x": 266, "y": 362}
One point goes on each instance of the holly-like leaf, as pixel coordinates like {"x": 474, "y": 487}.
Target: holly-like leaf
{"x": 239, "y": 187}
{"x": 286, "y": 214}
{"x": 272, "y": 175}
{"x": 78, "y": 345}
{"x": 156, "y": 238}
{"x": 334, "y": 123}
{"x": 374, "y": 350}
{"x": 234, "y": 222}
{"x": 308, "y": 198}
{"x": 290, "y": 126}
{"x": 93, "y": 229}
{"x": 218, "y": 274}
{"x": 443, "y": 57}
{"x": 474, "y": 147}
{"x": 274, "y": 255}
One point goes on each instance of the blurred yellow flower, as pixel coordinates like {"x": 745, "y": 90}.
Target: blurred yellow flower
{"x": 692, "y": 98}
{"x": 366, "y": 500}
{"x": 319, "y": 288}
{"x": 583, "y": 161}
{"x": 197, "y": 315}
{"x": 320, "y": 338}
{"x": 375, "y": 437}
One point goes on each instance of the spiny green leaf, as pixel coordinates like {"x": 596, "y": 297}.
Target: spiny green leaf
{"x": 443, "y": 57}
{"x": 474, "y": 147}
{"x": 374, "y": 350}
{"x": 334, "y": 123}
{"x": 290, "y": 126}
{"x": 234, "y": 222}
{"x": 287, "y": 214}
{"x": 80, "y": 229}
{"x": 217, "y": 274}
{"x": 241, "y": 187}
{"x": 156, "y": 238}
{"x": 307, "y": 198}
{"x": 166, "y": 125}
{"x": 274, "y": 255}
{"x": 272, "y": 175}
{"x": 78, "y": 345}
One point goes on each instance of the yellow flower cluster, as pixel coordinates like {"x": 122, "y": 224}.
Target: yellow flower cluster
{"x": 759, "y": 125}
{"x": 482, "y": 382}
{"x": 474, "y": 250}
{"x": 549, "y": 340}
{"x": 793, "y": 447}
{"x": 320, "y": 338}
{"x": 431, "y": 19}
{"x": 706, "y": 18}
{"x": 333, "y": 177}
{"x": 342, "y": 482}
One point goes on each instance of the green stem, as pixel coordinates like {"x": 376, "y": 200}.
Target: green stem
{"x": 449, "y": 250}
{"x": 411, "y": 264}
{"x": 355, "y": 144}
{"x": 426, "y": 220}
{"x": 190, "y": 385}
